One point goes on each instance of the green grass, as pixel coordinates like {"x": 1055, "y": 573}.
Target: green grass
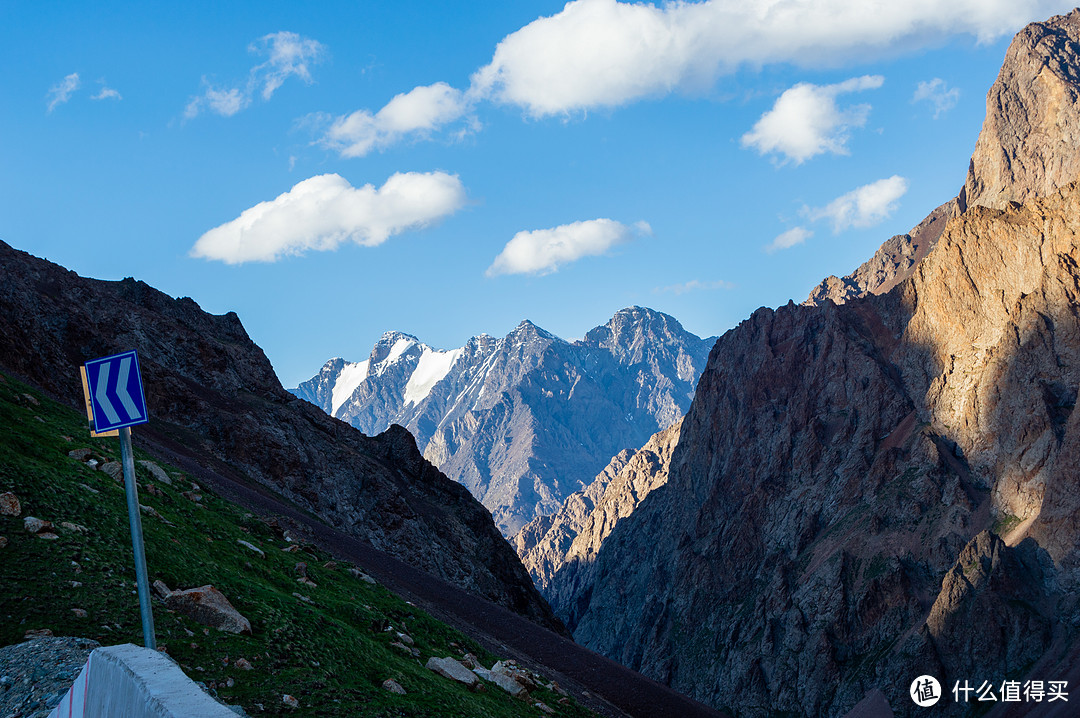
{"x": 1005, "y": 523}
{"x": 333, "y": 654}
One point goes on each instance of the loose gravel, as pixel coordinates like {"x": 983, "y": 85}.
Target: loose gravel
{"x": 35, "y": 675}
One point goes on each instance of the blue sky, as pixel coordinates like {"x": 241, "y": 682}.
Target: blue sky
{"x": 331, "y": 171}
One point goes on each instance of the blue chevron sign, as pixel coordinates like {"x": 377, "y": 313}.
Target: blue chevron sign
{"x": 116, "y": 393}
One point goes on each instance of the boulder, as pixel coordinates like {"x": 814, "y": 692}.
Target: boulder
{"x": 208, "y": 606}
{"x": 161, "y": 589}
{"x": 393, "y": 686}
{"x": 114, "y": 470}
{"x": 449, "y": 668}
{"x": 35, "y": 525}
{"x": 9, "y": 504}
{"x": 252, "y": 547}
{"x": 156, "y": 471}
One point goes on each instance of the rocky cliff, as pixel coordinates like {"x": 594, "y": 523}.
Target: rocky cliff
{"x": 212, "y": 395}
{"x": 522, "y": 420}
{"x": 559, "y": 549}
{"x": 870, "y": 491}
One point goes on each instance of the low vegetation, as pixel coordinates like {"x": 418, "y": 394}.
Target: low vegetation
{"x": 327, "y": 642}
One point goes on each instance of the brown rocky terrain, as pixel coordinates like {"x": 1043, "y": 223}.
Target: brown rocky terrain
{"x": 559, "y": 550}
{"x": 870, "y": 491}
{"x": 213, "y": 396}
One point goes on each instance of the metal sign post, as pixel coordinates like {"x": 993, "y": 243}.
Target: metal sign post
{"x": 116, "y": 401}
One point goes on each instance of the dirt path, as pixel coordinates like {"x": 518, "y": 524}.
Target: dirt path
{"x": 597, "y": 682}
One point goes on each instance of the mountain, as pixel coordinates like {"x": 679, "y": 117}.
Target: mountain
{"x": 213, "y": 397}
{"x": 869, "y": 491}
{"x": 521, "y": 420}
{"x": 559, "y": 549}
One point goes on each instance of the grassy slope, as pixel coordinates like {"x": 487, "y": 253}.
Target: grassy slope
{"x": 332, "y": 654}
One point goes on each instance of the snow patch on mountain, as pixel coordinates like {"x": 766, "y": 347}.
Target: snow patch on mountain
{"x": 352, "y": 374}
{"x": 431, "y": 368}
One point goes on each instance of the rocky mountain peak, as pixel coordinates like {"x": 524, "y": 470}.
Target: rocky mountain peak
{"x": 1027, "y": 146}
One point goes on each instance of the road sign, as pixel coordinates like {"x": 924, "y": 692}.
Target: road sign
{"x": 90, "y": 410}
{"x": 116, "y": 393}
{"x": 114, "y": 397}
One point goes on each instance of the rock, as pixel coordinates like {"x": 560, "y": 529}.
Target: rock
{"x": 331, "y": 565}
{"x": 3, "y": 541}
{"x": 393, "y": 686}
{"x": 300, "y": 569}
{"x": 32, "y": 399}
{"x": 156, "y": 471}
{"x": 77, "y": 528}
{"x": 209, "y": 607}
{"x": 559, "y": 550}
{"x": 192, "y": 496}
{"x": 88, "y": 489}
{"x": 450, "y": 668}
{"x": 154, "y": 491}
{"x": 80, "y": 454}
{"x": 307, "y": 582}
{"x": 1027, "y": 146}
{"x": 252, "y": 547}
{"x": 79, "y": 612}
{"x": 544, "y": 708}
{"x": 243, "y": 664}
{"x": 470, "y": 661}
{"x": 362, "y": 576}
{"x": 33, "y": 525}
{"x": 37, "y": 633}
{"x": 408, "y": 641}
{"x": 114, "y": 470}
{"x": 302, "y": 597}
{"x": 290, "y": 701}
{"x": 291, "y": 549}
{"x": 47, "y": 536}
{"x": 161, "y": 589}
{"x": 507, "y": 683}
{"x": 9, "y": 504}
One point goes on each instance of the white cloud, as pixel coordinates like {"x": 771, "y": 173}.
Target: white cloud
{"x": 418, "y": 112}
{"x": 222, "y": 102}
{"x": 324, "y": 211}
{"x": 695, "y": 285}
{"x": 805, "y": 120}
{"x": 61, "y": 92}
{"x": 938, "y": 93}
{"x": 107, "y": 93}
{"x": 862, "y": 207}
{"x": 788, "y": 239}
{"x": 603, "y": 53}
{"x": 543, "y": 251}
{"x": 288, "y": 55}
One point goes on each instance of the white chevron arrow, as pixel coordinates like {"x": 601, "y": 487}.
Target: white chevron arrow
{"x": 122, "y": 391}
{"x": 102, "y": 398}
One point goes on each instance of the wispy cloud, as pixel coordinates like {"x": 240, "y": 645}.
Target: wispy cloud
{"x": 603, "y": 53}
{"x": 61, "y": 92}
{"x": 106, "y": 93}
{"x": 287, "y": 55}
{"x": 322, "y": 212}
{"x": 695, "y": 285}
{"x": 805, "y": 120}
{"x": 862, "y": 207}
{"x": 543, "y": 251}
{"x": 788, "y": 239}
{"x": 938, "y": 93}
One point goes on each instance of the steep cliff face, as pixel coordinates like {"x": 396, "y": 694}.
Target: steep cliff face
{"x": 866, "y": 492}
{"x": 212, "y": 394}
{"x": 1027, "y": 146}
{"x": 521, "y": 420}
{"x": 559, "y": 550}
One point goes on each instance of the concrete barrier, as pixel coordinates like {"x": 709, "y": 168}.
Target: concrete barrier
{"x": 130, "y": 681}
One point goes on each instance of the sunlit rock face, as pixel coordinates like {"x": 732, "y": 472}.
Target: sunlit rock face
{"x": 868, "y": 491}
